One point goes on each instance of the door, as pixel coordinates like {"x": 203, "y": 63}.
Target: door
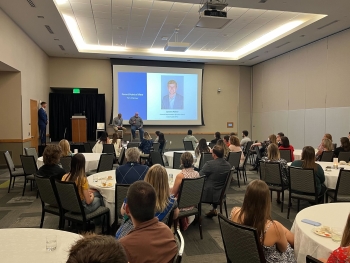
{"x": 34, "y": 123}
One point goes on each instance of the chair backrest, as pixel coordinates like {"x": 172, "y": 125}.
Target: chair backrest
{"x": 29, "y": 164}
{"x": 87, "y": 147}
{"x": 108, "y": 148}
{"x": 188, "y": 145}
{"x": 105, "y": 163}
{"x": 157, "y": 158}
{"x": 247, "y": 147}
{"x": 302, "y": 180}
{"x": 31, "y": 151}
{"x": 240, "y": 242}
{"x": 9, "y": 162}
{"x": 310, "y": 259}
{"x": 156, "y": 146}
{"x": 48, "y": 193}
{"x": 133, "y": 144}
{"x": 334, "y": 145}
{"x": 204, "y": 158}
{"x": 327, "y": 156}
{"x": 69, "y": 197}
{"x": 234, "y": 158}
{"x": 165, "y": 143}
{"x": 121, "y": 156}
{"x": 343, "y": 184}
{"x": 211, "y": 145}
{"x": 190, "y": 193}
{"x": 257, "y": 150}
{"x": 120, "y": 194}
{"x": 344, "y": 156}
{"x": 286, "y": 155}
{"x": 181, "y": 246}
{"x": 66, "y": 163}
{"x": 270, "y": 172}
{"x": 176, "y": 160}
{"x": 227, "y": 184}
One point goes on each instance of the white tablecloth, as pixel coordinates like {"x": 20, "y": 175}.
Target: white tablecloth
{"x": 19, "y": 245}
{"x": 332, "y": 175}
{"x": 90, "y": 158}
{"x": 108, "y": 193}
{"x": 170, "y": 156}
{"x": 297, "y": 153}
{"x": 308, "y": 243}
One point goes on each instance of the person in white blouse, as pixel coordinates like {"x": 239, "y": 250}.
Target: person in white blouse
{"x": 98, "y": 148}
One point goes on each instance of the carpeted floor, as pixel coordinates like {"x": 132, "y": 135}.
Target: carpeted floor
{"x": 17, "y": 211}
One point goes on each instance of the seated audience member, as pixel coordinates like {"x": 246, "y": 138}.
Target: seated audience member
{"x": 341, "y": 254}
{"x": 326, "y": 146}
{"x": 187, "y": 172}
{"x": 202, "y": 147}
{"x": 98, "y": 148}
{"x": 263, "y": 150}
{"x": 235, "y": 146}
{"x": 273, "y": 155}
{"x": 65, "y": 148}
{"x": 344, "y": 146}
{"x": 117, "y": 142}
{"x": 51, "y": 158}
{"x": 165, "y": 203}
{"x": 97, "y": 249}
{"x": 245, "y": 138}
{"x": 190, "y": 137}
{"x": 217, "y": 137}
{"x": 284, "y": 145}
{"x": 146, "y": 145}
{"x": 276, "y": 240}
{"x": 157, "y": 134}
{"x": 150, "y": 240}
{"x": 215, "y": 172}
{"x": 308, "y": 161}
{"x": 90, "y": 198}
{"x": 233, "y": 133}
{"x": 224, "y": 146}
{"x": 227, "y": 140}
{"x": 278, "y": 138}
{"x": 132, "y": 171}
{"x": 326, "y": 136}
{"x": 161, "y": 141}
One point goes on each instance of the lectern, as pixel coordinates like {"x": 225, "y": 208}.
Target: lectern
{"x": 79, "y": 129}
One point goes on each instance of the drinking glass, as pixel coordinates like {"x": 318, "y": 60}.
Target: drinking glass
{"x": 171, "y": 178}
{"x": 336, "y": 233}
{"x": 51, "y": 242}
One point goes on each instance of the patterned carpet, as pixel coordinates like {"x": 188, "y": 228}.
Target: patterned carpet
{"x": 17, "y": 211}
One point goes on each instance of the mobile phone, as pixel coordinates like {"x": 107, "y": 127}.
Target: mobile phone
{"x": 310, "y": 222}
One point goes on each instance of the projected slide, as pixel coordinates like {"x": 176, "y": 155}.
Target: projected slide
{"x": 160, "y": 98}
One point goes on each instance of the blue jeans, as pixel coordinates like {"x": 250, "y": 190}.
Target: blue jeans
{"x": 133, "y": 129}
{"x": 96, "y": 203}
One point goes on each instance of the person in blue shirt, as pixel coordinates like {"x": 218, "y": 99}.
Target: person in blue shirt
{"x": 173, "y": 100}
{"x": 42, "y": 122}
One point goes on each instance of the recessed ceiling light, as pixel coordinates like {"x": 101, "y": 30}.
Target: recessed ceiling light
{"x": 120, "y": 27}
{"x": 225, "y": 35}
{"x": 165, "y": 38}
{"x": 40, "y": 17}
{"x": 302, "y": 35}
{"x": 56, "y": 39}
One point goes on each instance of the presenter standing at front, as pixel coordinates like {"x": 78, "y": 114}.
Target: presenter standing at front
{"x": 42, "y": 122}
{"x": 136, "y": 124}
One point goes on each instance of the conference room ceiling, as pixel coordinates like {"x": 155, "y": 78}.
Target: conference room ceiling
{"x": 135, "y": 28}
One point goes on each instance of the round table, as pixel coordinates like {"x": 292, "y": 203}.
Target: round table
{"x": 308, "y": 243}
{"x": 331, "y": 175}
{"x": 297, "y": 153}
{"x": 108, "y": 193}
{"x": 170, "y": 156}
{"x": 91, "y": 161}
{"x": 20, "y": 245}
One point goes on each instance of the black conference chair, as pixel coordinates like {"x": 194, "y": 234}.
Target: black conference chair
{"x": 188, "y": 146}
{"x": 176, "y": 160}
{"x": 286, "y": 155}
{"x": 156, "y": 158}
{"x": 66, "y": 163}
{"x": 30, "y": 169}
{"x": 204, "y": 158}
{"x": 133, "y": 144}
{"x": 31, "y": 151}
{"x": 327, "y": 156}
{"x": 342, "y": 190}
{"x": 13, "y": 171}
{"x": 234, "y": 158}
{"x": 108, "y": 148}
{"x": 87, "y": 147}
{"x": 344, "y": 156}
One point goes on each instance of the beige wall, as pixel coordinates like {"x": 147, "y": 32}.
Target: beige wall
{"x": 218, "y": 108}
{"x": 304, "y": 93}
{"x": 244, "y": 109}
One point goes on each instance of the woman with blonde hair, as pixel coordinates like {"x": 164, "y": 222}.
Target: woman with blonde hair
{"x": 263, "y": 150}
{"x": 65, "y": 148}
{"x": 235, "y": 146}
{"x": 165, "y": 203}
{"x": 146, "y": 144}
{"x": 276, "y": 240}
{"x": 326, "y": 146}
{"x": 326, "y": 136}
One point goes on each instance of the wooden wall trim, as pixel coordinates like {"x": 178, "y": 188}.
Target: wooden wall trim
{"x": 15, "y": 140}
{"x": 184, "y": 133}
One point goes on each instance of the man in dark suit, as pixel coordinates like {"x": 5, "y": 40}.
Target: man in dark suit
{"x": 216, "y": 172}
{"x": 42, "y": 121}
{"x": 173, "y": 100}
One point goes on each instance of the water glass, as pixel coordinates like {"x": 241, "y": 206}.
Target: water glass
{"x": 75, "y": 150}
{"x": 51, "y": 242}
{"x": 171, "y": 178}
{"x": 336, "y": 233}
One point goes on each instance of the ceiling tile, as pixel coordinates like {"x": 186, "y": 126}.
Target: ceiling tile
{"x": 174, "y": 14}
{"x": 83, "y": 13}
{"x": 140, "y": 11}
{"x": 80, "y": 1}
{"x": 101, "y": 2}
{"x": 181, "y": 7}
{"x": 81, "y": 6}
{"x": 142, "y": 3}
{"x": 176, "y": 21}
{"x": 102, "y": 8}
{"x": 102, "y": 15}
{"x": 158, "y": 5}
{"x": 103, "y": 21}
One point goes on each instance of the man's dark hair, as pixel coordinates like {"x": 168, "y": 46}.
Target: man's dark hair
{"x": 218, "y": 135}
{"x": 245, "y": 133}
{"x": 281, "y": 134}
{"x": 233, "y": 133}
{"x": 157, "y": 133}
{"x": 42, "y": 103}
{"x": 218, "y": 151}
{"x": 227, "y": 138}
{"x": 189, "y": 132}
{"x": 141, "y": 199}
{"x": 97, "y": 248}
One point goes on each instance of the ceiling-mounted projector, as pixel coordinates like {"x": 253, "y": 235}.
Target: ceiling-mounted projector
{"x": 177, "y": 46}
{"x": 213, "y": 14}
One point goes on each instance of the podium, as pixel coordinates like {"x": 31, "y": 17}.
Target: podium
{"x": 79, "y": 129}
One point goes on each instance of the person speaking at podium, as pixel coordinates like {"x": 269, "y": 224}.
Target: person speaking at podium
{"x": 136, "y": 123}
